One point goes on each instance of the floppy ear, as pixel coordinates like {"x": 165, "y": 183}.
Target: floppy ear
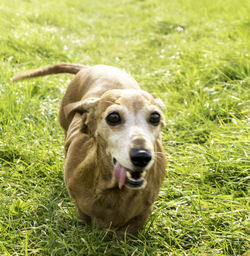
{"x": 80, "y": 106}
{"x": 84, "y": 106}
{"x": 160, "y": 103}
{"x": 162, "y": 106}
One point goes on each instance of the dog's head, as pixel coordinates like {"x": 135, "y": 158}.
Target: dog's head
{"x": 130, "y": 122}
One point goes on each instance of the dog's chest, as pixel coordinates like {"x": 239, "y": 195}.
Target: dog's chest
{"x": 118, "y": 207}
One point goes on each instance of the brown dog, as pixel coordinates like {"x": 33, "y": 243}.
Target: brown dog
{"x": 114, "y": 158}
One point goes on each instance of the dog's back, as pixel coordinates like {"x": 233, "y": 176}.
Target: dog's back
{"x": 94, "y": 82}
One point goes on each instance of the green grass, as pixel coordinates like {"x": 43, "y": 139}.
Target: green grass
{"x": 195, "y": 56}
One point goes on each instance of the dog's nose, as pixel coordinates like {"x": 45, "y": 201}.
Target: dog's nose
{"x": 140, "y": 157}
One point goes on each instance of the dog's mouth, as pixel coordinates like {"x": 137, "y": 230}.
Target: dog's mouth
{"x": 130, "y": 178}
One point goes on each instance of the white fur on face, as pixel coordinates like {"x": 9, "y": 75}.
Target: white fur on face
{"x": 134, "y": 128}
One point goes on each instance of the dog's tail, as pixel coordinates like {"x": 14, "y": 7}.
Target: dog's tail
{"x": 54, "y": 69}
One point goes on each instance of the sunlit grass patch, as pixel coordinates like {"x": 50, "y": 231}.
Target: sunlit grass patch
{"x": 192, "y": 54}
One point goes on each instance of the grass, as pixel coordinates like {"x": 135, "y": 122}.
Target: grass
{"x": 195, "y": 56}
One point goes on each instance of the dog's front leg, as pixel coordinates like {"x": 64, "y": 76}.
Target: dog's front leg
{"x": 84, "y": 217}
{"x": 133, "y": 226}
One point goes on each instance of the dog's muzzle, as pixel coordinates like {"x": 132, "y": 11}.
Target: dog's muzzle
{"x": 133, "y": 179}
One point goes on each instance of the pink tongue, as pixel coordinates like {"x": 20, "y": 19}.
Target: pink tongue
{"x": 120, "y": 174}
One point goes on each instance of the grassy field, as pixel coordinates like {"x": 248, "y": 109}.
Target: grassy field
{"x": 195, "y": 56}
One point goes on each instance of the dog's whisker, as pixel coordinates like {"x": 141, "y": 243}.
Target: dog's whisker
{"x": 161, "y": 153}
{"x": 158, "y": 157}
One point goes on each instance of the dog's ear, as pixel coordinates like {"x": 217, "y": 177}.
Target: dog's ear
{"x": 162, "y": 106}
{"x": 160, "y": 103}
{"x": 85, "y": 106}
{"x": 80, "y": 106}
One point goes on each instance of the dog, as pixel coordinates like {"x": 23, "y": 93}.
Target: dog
{"x": 114, "y": 159}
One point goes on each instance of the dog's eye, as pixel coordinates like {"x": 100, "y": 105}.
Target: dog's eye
{"x": 155, "y": 118}
{"x": 113, "y": 119}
